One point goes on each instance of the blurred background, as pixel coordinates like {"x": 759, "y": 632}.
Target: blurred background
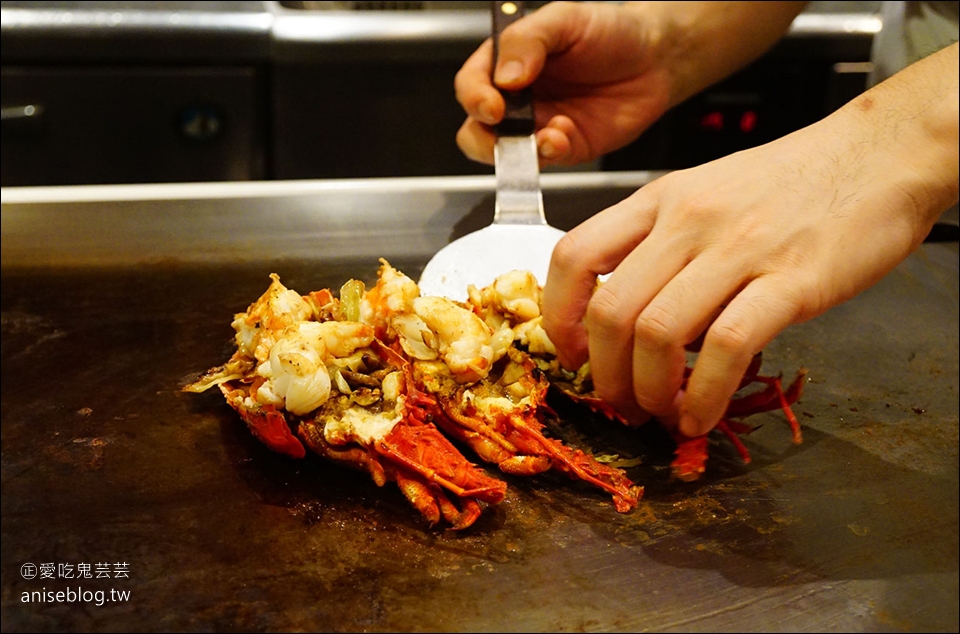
{"x": 151, "y": 92}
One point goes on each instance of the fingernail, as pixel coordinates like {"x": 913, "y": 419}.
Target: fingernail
{"x": 690, "y": 426}
{"x": 484, "y": 114}
{"x": 509, "y": 72}
{"x": 547, "y": 150}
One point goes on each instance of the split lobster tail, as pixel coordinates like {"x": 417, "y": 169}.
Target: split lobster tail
{"x": 308, "y": 375}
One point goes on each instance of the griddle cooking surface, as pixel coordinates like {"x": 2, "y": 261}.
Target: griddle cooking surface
{"x": 105, "y": 460}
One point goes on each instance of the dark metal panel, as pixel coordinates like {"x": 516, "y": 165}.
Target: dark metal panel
{"x": 329, "y": 118}
{"x": 122, "y": 124}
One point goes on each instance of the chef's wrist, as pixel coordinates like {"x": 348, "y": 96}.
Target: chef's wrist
{"x": 701, "y": 43}
{"x": 910, "y": 125}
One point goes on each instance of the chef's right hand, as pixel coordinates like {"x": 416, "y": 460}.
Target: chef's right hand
{"x": 598, "y": 81}
{"x": 605, "y": 72}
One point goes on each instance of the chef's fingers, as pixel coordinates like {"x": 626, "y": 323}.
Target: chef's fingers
{"x": 525, "y": 44}
{"x": 749, "y": 322}
{"x": 640, "y": 320}
{"x": 595, "y": 247}
{"x": 674, "y": 317}
{"x": 522, "y": 53}
{"x": 554, "y": 145}
{"x": 561, "y": 142}
{"x": 475, "y": 91}
{"x": 476, "y": 141}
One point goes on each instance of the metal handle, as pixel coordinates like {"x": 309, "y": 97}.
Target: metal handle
{"x": 518, "y": 116}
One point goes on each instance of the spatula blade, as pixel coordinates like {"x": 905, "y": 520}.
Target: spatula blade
{"x": 480, "y": 257}
{"x": 519, "y": 237}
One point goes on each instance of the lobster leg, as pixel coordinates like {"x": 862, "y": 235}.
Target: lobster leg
{"x": 691, "y": 453}
{"x": 421, "y": 485}
{"x": 772, "y": 397}
{"x": 355, "y": 456}
{"x": 470, "y": 429}
{"x": 576, "y": 463}
{"x": 429, "y": 499}
{"x": 525, "y": 465}
{"x": 511, "y": 438}
{"x": 459, "y": 519}
{"x": 731, "y": 434}
{"x": 420, "y": 496}
{"x": 690, "y": 459}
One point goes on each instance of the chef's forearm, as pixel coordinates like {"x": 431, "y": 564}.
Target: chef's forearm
{"x": 704, "y": 42}
{"x": 908, "y": 125}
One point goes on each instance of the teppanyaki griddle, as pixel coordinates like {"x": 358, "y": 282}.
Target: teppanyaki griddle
{"x": 109, "y": 306}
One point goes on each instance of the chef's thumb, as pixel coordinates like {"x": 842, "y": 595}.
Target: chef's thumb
{"x": 525, "y": 44}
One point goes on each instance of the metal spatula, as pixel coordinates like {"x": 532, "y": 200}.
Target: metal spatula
{"x": 519, "y": 237}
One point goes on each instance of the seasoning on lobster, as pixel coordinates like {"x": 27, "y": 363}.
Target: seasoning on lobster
{"x": 488, "y": 392}
{"x": 308, "y": 373}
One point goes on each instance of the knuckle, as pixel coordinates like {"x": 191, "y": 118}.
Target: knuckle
{"x": 729, "y": 335}
{"x": 562, "y": 12}
{"x": 568, "y": 252}
{"x": 802, "y": 297}
{"x": 699, "y": 208}
{"x": 467, "y": 90}
{"x": 606, "y": 310}
{"x": 657, "y": 327}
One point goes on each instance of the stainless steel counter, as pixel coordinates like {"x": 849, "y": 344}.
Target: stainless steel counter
{"x": 115, "y": 297}
{"x": 218, "y": 223}
{"x": 245, "y": 31}
{"x": 135, "y": 32}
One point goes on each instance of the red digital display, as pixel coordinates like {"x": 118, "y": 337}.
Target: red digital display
{"x": 715, "y": 121}
{"x": 712, "y": 121}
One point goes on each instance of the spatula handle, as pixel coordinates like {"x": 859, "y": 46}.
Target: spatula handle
{"x": 518, "y": 117}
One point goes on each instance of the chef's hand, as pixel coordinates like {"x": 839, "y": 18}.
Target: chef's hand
{"x": 744, "y": 246}
{"x": 603, "y": 72}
